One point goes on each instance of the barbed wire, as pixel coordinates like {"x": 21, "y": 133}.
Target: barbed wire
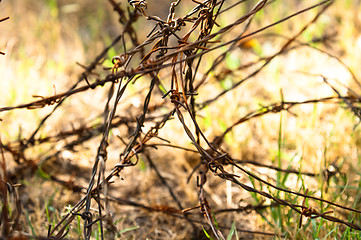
{"x": 158, "y": 53}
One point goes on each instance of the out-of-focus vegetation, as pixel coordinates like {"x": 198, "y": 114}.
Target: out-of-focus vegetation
{"x": 311, "y": 149}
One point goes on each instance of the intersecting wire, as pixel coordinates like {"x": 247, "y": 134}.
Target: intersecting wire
{"x": 211, "y": 158}
{"x": 176, "y": 97}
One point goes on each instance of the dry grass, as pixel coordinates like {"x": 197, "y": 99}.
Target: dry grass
{"x": 42, "y": 42}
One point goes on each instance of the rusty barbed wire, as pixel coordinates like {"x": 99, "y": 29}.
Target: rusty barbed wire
{"x": 155, "y": 54}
